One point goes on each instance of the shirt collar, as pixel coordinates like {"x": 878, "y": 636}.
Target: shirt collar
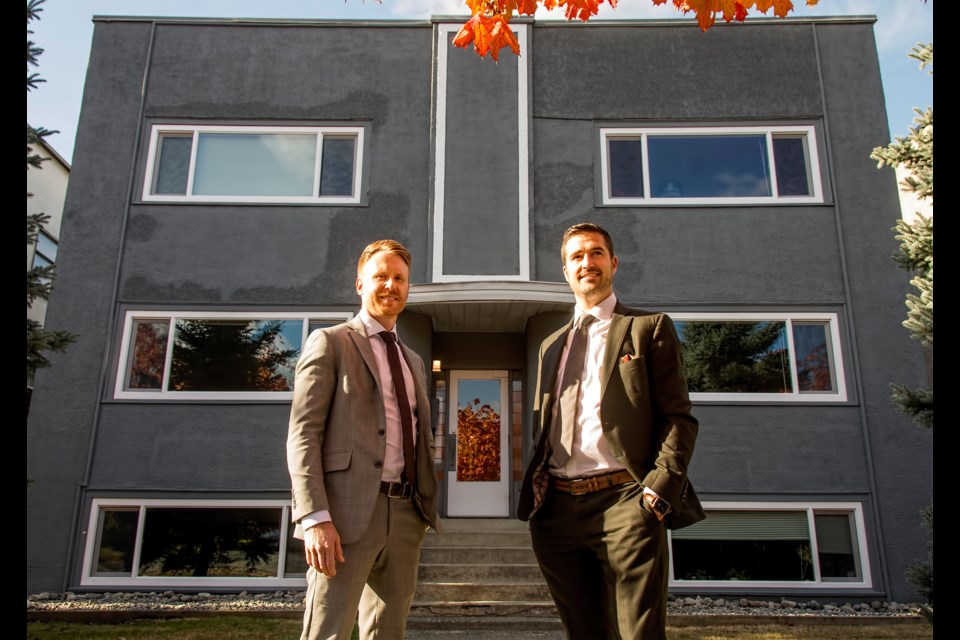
{"x": 371, "y": 326}
{"x": 602, "y": 311}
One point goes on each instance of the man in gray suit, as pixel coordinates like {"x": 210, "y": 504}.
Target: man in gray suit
{"x": 608, "y": 474}
{"x": 360, "y": 454}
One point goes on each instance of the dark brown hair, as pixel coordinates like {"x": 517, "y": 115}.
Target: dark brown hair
{"x": 585, "y": 227}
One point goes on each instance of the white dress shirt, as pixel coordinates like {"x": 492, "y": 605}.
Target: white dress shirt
{"x": 590, "y": 455}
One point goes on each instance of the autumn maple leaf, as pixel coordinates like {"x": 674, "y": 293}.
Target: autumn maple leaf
{"x": 502, "y": 36}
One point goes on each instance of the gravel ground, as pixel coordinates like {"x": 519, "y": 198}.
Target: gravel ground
{"x": 293, "y": 601}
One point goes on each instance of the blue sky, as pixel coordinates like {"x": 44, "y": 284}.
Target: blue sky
{"x": 65, "y": 30}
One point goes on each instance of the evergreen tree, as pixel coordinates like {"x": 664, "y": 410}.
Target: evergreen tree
{"x": 39, "y": 278}
{"x": 915, "y": 254}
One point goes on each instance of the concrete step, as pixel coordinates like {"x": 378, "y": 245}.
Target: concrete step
{"x": 487, "y": 539}
{"x": 503, "y": 624}
{"x": 463, "y": 592}
{"x": 477, "y": 555}
{"x": 490, "y": 610}
{"x": 480, "y": 573}
{"x": 476, "y": 525}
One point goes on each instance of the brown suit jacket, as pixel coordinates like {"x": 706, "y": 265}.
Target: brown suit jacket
{"x": 336, "y": 443}
{"x": 644, "y": 409}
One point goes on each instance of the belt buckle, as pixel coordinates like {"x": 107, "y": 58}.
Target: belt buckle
{"x": 582, "y": 486}
{"x": 398, "y": 490}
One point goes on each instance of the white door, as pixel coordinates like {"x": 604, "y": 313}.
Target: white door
{"x": 479, "y": 484}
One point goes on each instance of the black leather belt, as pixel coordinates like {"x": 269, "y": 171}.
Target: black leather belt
{"x": 396, "y": 489}
{"x": 589, "y": 484}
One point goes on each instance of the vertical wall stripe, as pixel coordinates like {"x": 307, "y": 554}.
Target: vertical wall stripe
{"x": 446, "y": 173}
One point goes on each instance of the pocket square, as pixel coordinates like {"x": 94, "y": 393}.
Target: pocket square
{"x": 625, "y": 359}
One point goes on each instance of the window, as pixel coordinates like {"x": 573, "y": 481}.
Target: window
{"x": 44, "y": 252}
{"x": 767, "y": 357}
{"x": 699, "y": 165}
{"x": 182, "y": 543}
{"x": 209, "y": 356}
{"x": 309, "y": 165}
{"x": 772, "y": 544}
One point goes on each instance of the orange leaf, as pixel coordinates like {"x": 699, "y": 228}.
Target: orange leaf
{"x": 465, "y": 34}
{"x": 528, "y": 7}
{"x": 502, "y": 36}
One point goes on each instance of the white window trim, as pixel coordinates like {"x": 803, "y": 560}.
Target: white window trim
{"x": 120, "y": 393}
{"x": 90, "y": 551}
{"x": 444, "y": 31}
{"x": 840, "y": 395}
{"x": 860, "y": 539}
{"x": 606, "y": 133}
{"x": 154, "y": 148}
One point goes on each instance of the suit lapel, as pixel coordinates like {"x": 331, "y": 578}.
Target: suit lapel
{"x": 548, "y": 374}
{"x": 619, "y": 324}
{"x": 360, "y": 339}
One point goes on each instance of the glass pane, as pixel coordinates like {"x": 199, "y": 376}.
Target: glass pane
{"x": 709, "y": 166}
{"x": 246, "y": 164}
{"x": 117, "y": 539}
{"x": 814, "y": 361}
{"x": 336, "y": 173}
{"x": 439, "y": 436}
{"x": 210, "y": 542}
{"x": 149, "y": 353}
{"x": 790, "y": 155}
{"x": 313, "y": 325}
{"x": 47, "y": 246}
{"x": 174, "y": 165}
{"x": 742, "y": 560}
{"x": 835, "y": 545}
{"x": 744, "y": 545}
{"x": 296, "y": 560}
{"x": 626, "y": 168}
{"x": 40, "y": 261}
{"x": 478, "y": 431}
{"x": 736, "y": 356}
{"x": 748, "y": 525}
{"x": 235, "y": 355}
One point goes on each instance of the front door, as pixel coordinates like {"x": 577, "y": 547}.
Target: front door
{"x": 479, "y": 482}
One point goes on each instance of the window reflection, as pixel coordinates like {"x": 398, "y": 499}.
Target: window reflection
{"x": 235, "y": 355}
{"x": 626, "y": 168}
{"x": 336, "y": 169}
{"x": 711, "y": 166}
{"x": 254, "y": 164}
{"x": 149, "y": 354}
{"x": 210, "y": 542}
{"x": 116, "y": 542}
{"x": 813, "y": 357}
{"x": 735, "y": 357}
{"x": 478, "y": 431}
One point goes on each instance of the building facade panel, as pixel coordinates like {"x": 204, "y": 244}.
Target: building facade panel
{"x": 820, "y": 449}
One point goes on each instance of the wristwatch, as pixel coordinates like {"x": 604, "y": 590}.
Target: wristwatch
{"x": 658, "y": 505}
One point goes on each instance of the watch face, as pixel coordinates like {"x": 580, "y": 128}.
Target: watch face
{"x": 660, "y": 507}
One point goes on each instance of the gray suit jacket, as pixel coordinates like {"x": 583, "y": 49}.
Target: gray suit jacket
{"x": 644, "y": 409}
{"x": 336, "y": 443}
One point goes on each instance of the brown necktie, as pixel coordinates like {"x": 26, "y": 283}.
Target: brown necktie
{"x": 409, "y": 473}
{"x": 564, "y": 424}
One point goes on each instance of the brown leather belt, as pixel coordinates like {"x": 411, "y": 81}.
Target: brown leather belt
{"x": 396, "y": 489}
{"x": 589, "y": 484}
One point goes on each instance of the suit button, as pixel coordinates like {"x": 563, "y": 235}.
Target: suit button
{"x": 377, "y": 464}
{"x": 381, "y": 433}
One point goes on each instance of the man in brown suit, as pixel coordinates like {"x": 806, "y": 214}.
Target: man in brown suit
{"x": 608, "y": 474}
{"x": 360, "y": 454}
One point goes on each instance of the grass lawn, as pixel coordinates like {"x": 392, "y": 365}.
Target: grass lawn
{"x": 265, "y": 628}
